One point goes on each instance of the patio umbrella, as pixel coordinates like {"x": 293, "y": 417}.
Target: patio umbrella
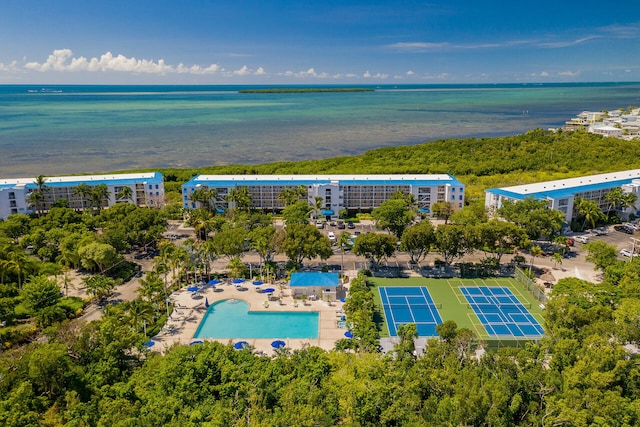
{"x": 193, "y": 289}
{"x": 240, "y": 345}
{"x": 348, "y": 334}
{"x": 278, "y": 344}
{"x": 149, "y": 343}
{"x": 214, "y": 282}
{"x": 342, "y": 300}
{"x": 238, "y": 281}
{"x": 206, "y": 302}
{"x": 268, "y": 290}
{"x": 258, "y": 283}
{"x": 196, "y": 342}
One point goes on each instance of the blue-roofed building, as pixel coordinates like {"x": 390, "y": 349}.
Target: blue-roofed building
{"x": 355, "y": 193}
{"x": 315, "y": 285}
{"x": 147, "y": 189}
{"x": 562, "y": 193}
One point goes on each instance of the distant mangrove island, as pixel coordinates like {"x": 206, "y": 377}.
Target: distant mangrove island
{"x": 307, "y": 90}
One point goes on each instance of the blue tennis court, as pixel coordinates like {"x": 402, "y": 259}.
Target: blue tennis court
{"x": 404, "y": 305}
{"x": 501, "y": 313}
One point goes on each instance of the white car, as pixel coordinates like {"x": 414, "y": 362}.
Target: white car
{"x": 628, "y": 253}
{"x": 581, "y": 239}
{"x": 331, "y": 236}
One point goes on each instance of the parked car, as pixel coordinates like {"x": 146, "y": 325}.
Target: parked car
{"x": 319, "y": 224}
{"x": 631, "y": 225}
{"x": 628, "y": 253}
{"x": 341, "y": 225}
{"x": 350, "y": 225}
{"x": 600, "y": 231}
{"x": 623, "y": 229}
{"x": 332, "y": 237}
{"x": 582, "y": 239}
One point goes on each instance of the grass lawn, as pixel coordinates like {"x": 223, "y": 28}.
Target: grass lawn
{"x": 454, "y": 305}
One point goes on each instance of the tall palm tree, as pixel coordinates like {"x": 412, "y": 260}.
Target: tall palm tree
{"x": 99, "y": 195}
{"x": 590, "y": 210}
{"x": 84, "y": 191}
{"x": 241, "y": 197}
{"x": 139, "y": 312}
{"x": 536, "y": 251}
{"x": 125, "y": 193}
{"x": 343, "y": 243}
{"x": 317, "y": 206}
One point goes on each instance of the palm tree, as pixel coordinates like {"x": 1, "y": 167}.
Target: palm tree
{"x": 99, "y": 195}
{"x": 590, "y": 210}
{"x": 343, "y": 243}
{"x": 536, "y": 251}
{"x": 139, "y": 312}
{"x": 614, "y": 197}
{"x": 207, "y": 197}
{"x": 317, "y": 206}
{"x": 241, "y": 197}
{"x": 84, "y": 191}
{"x": 125, "y": 193}
{"x": 37, "y": 197}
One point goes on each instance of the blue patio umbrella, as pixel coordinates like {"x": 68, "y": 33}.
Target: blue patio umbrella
{"x": 278, "y": 344}
{"x": 149, "y": 343}
{"x": 342, "y": 300}
{"x": 206, "y": 302}
{"x": 193, "y": 289}
{"x": 238, "y": 281}
{"x": 196, "y": 342}
{"x": 348, "y": 334}
{"x": 258, "y": 283}
{"x": 214, "y": 282}
{"x": 268, "y": 290}
{"x": 240, "y": 345}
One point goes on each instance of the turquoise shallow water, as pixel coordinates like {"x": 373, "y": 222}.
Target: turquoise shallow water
{"x": 76, "y": 129}
{"x": 231, "y": 319}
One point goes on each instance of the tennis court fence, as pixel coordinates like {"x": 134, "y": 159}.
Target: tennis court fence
{"x": 530, "y": 285}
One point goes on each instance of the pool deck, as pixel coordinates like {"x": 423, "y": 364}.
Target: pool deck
{"x": 189, "y": 310}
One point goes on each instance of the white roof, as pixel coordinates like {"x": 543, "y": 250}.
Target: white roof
{"x": 573, "y": 182}
{"x": 79, "y": 178}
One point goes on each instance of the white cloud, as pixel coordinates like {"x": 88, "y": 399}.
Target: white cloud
{"x": 311, "y": 72}
{"x": 410, "y": 73}
{"x": 10, "y": 67}
{"x": 242, "y": 71}
{"x": 568, "y": 73}
{"x": 568, "y": 43}
{"x": 63, "y": 60}
{"x": 417, "y": 47}
{"x": 260, "y": 72}
{"x": 544, "y": 74}
{"x": 368, "y": 75}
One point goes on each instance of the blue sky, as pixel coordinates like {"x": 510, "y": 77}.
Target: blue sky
{"x": 317, "y": 42}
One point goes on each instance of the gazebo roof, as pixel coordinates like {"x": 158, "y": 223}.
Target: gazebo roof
{"x": 314, "y": 279}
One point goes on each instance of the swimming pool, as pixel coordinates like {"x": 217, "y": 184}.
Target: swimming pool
{"x": 232, "y": 319}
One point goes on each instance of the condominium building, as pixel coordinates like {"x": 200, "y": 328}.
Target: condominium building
{"x": 355, "y": 193}
{"x": 147, "y": 189}
{"x": 562, "y": 193}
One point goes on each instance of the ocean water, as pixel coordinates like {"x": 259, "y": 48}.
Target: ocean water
{"x": 55, "y": 130}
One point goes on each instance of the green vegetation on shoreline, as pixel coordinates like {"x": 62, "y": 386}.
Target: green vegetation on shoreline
{"x": 480, "y": 163}
{"x": 307, "y": 90}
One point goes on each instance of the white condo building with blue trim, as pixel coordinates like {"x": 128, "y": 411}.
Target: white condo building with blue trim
{"x": 562, "y": 193}
{"x": 355, "y": 193}
{"x": 147, "y": 189}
